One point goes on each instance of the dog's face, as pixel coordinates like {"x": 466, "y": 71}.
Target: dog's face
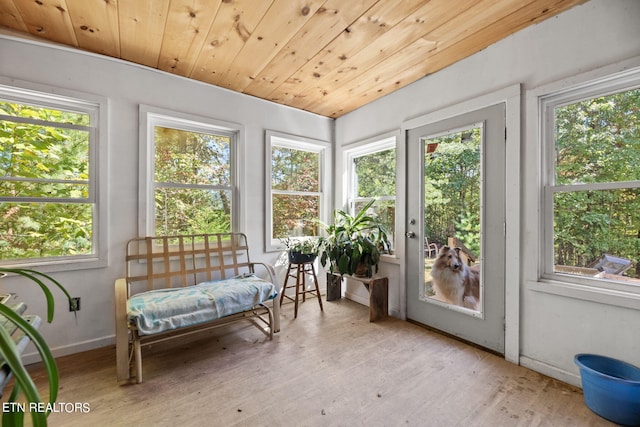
{"x": 450, "y": 258}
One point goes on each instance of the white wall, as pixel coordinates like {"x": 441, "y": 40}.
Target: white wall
{"x": 552, "y": 328}
{"x": 126, "y": 86}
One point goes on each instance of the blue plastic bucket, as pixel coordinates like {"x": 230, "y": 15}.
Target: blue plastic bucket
{"x": 611, "y": 388}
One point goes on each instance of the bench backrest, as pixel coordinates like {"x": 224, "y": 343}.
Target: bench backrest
{"x": 178, "y": 261}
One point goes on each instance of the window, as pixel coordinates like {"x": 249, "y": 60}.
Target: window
{"x": 592, "y": 184}
{"x": 48, "y": 178}
{"x": 191, "y": 168}
{"x": 297, "y": 197}
{"x": 372, "y": 175}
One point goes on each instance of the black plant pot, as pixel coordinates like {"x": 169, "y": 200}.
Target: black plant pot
{"x": 300, "y": 258}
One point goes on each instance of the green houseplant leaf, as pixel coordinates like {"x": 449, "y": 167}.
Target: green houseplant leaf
{"x": 351, "y": 241}
{"x": 9, "y": 351}
{"x": 35, "y": 277}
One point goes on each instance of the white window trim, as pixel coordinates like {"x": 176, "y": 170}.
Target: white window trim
{"x": 98, "y": 108}
{"x": 584, "y": 86}
{"x": 323, "y": 148}
{"x": 150, "y": 117}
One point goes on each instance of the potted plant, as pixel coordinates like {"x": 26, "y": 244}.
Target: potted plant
{"x": 9, "y": 351}
{"x": 352, "y": 243}
{"x": 301, "y": 249}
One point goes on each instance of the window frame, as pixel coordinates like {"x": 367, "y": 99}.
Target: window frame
{"x": 322, "y": 148}
{"x": 150, "y": 117}
{"x": 97, "y": 108}
{"x": 376, "y": 145}
{"x": 566, "y": 284}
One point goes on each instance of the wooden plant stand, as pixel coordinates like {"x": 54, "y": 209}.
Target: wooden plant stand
{"x": 378, "y": 288}
{"x": 298, "y": 271}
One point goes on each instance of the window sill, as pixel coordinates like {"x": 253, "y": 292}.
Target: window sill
{"x": 588, "y": 293}
{"x": 45, "y": 266}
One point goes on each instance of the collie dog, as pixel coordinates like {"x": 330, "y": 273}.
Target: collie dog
{"x": 455, "y": 282}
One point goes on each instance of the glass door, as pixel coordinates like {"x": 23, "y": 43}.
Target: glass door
{"x": 455, "y": 226}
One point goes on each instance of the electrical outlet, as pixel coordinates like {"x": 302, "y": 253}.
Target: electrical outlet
{"x": 74, "y": 304}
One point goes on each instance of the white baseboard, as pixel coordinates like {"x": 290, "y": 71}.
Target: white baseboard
{"x": 357, "y": 298}
{"x": 551, "y": 371}
{"x": 34, "y": 357}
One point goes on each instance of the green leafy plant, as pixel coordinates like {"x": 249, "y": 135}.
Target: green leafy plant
{"x": 353, "y": 243}
{"x": 301, "y": 249}
{"x": 303, "y": 245}
{"x": 23, "y": 382}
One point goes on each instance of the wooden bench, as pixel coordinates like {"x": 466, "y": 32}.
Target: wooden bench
{"x": 378, "y": 288}
{"x": 207, "y": 279}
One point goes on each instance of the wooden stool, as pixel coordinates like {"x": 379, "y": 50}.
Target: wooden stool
{"x": 299, "y": 273}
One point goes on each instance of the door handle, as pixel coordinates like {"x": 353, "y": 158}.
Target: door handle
{"x": 410, "y": 234}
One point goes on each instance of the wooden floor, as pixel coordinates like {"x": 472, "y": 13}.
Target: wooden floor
{"x": 324, "y": 369}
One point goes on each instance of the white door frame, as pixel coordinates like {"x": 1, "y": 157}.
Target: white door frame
{"x": 511, "y": 96}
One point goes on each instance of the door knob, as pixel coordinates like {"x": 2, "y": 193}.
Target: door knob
{"x": 410, "y": 234}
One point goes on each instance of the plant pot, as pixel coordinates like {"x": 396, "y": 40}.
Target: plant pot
{"x": 362, "y": 270}
{"x": 300, "y": 258}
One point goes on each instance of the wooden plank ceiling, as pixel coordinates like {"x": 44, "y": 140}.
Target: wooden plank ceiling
{"x": 324, "y": 56}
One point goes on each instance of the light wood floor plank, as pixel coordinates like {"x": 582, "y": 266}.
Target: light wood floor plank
{"x": 324, "y": 369}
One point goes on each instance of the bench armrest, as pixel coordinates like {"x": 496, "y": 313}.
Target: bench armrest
{"x": 270, "y": 270}
{"x": 276, "y": 301}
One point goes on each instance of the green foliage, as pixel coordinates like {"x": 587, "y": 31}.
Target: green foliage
{"x": 452, "y": 188}
{"x": 200, "y": 161}
{"x": 295, "y": 215}
{"x": 597, "y": 141}
{"x": 376, "y": 174}
{"x": 23, "y": 382}
{"x": 303, "y": 245}
{"x": 293, "y": 172}
{"x": 44, "y": 160}
{"x": 352, "y": 240}
{"x": 468, "y": 228}
{"x": 376, "y": 178}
